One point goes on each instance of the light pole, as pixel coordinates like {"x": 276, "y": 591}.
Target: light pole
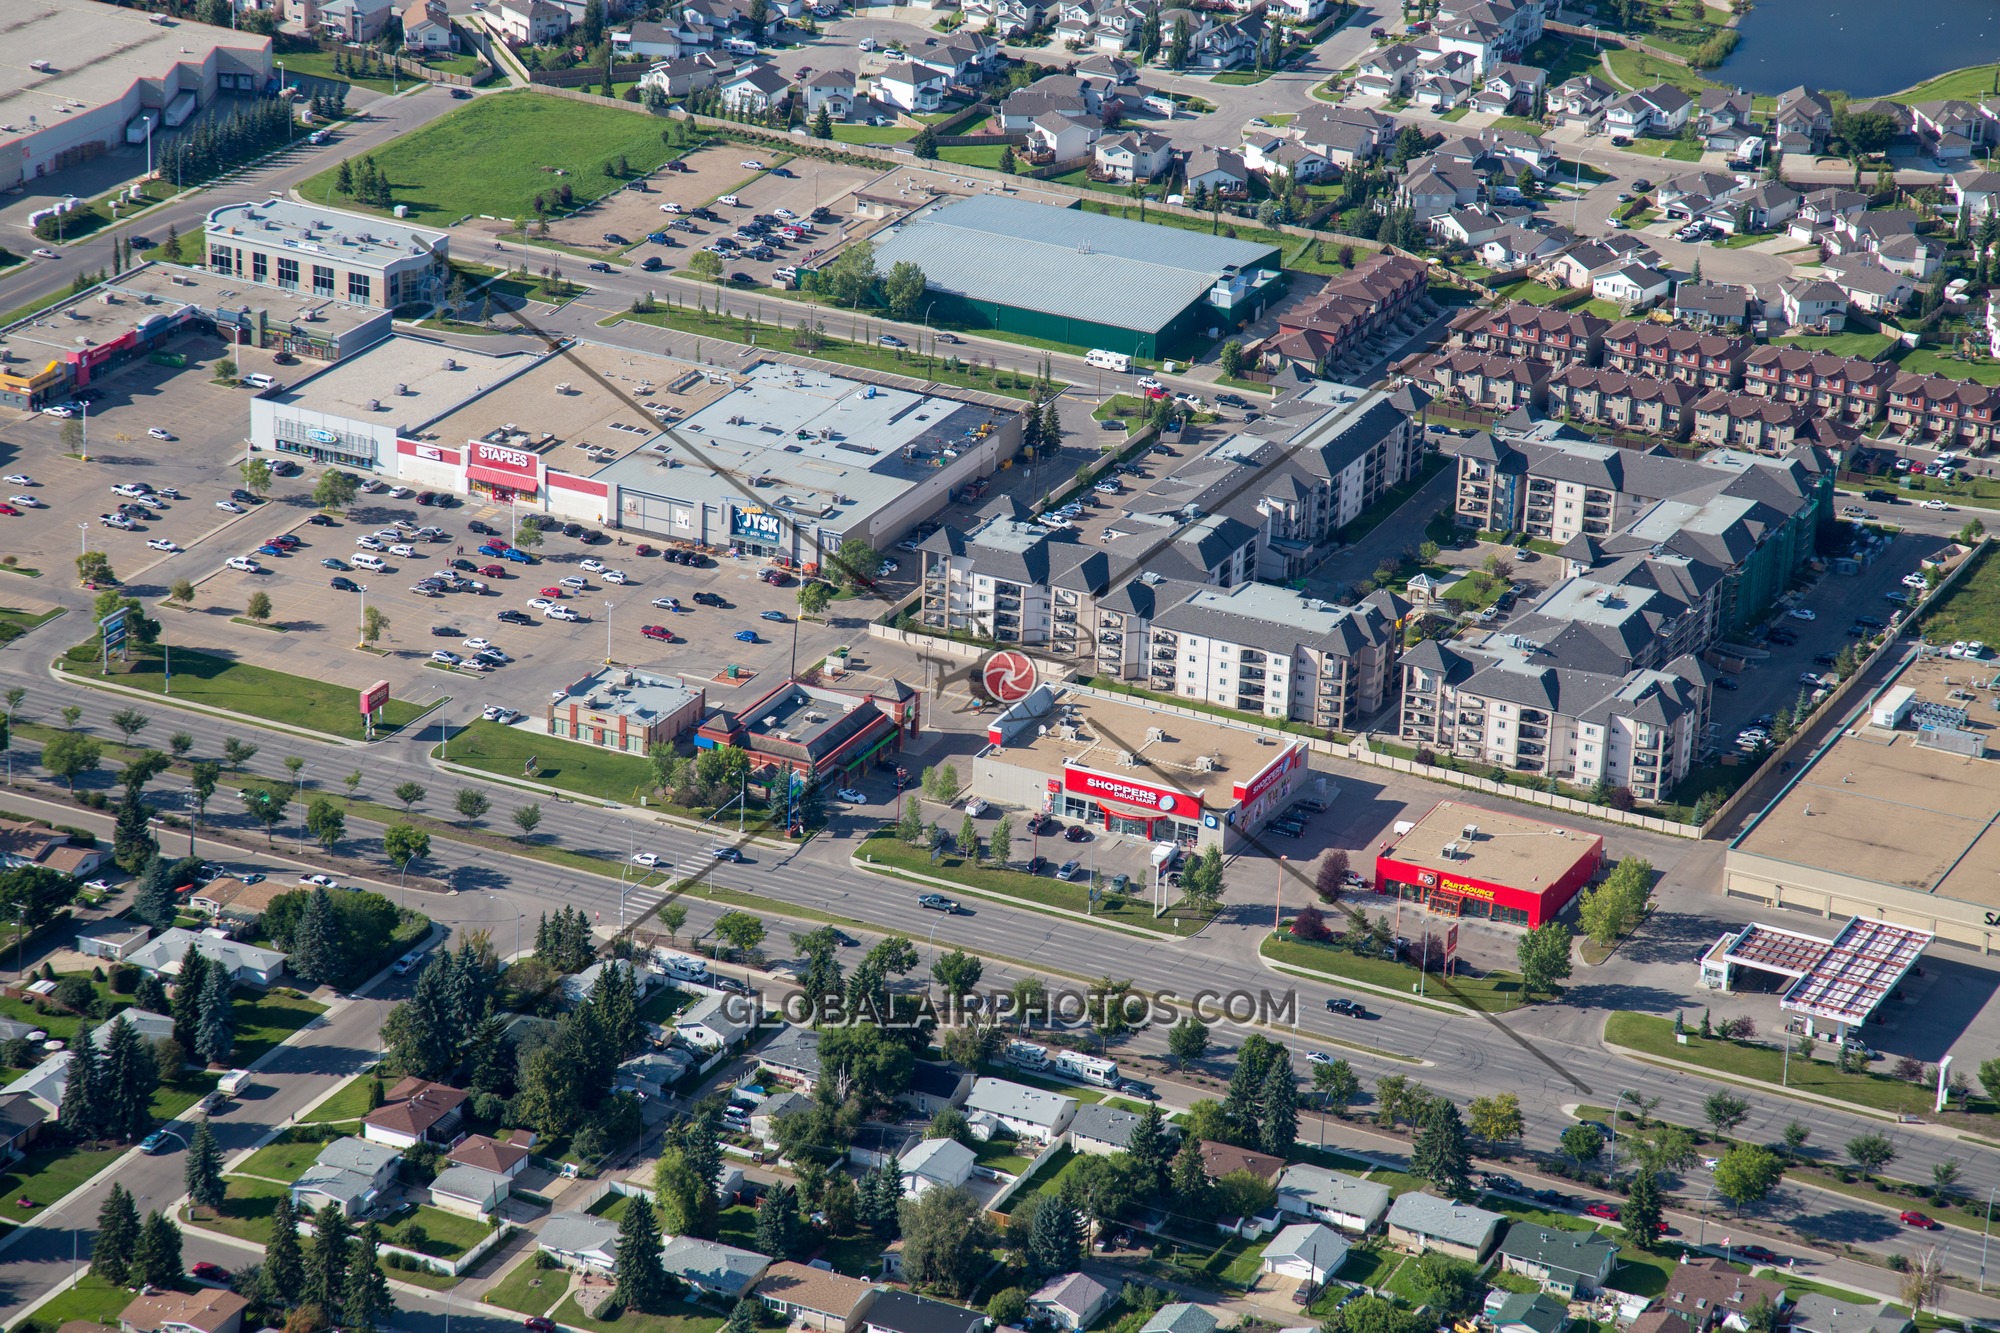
{"x": 1984, "y": 1236}
{"x": 84, "y": 417}
{"x": 299, "y": 795}
{"x": 609, "y": 607}
{"x": 361, "y": 623}
{"x": 1278, "y": 898}
{"x": 83, "y": 539}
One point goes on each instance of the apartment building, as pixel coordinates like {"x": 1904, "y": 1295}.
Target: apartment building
{"x": 324, "y": 254}
{"x": 1532, "y": 333}
{"x": 1750, "y": 421}
{"x": 1705, "y": 360}
{"x": 1636, "y": 402}
{"x": 1266, "y": 650}
{"x": 1943, "y": 411}
{"x": 1347, "y": 312}
{"x": 998, "y": 581}
{"x": 1845, "y": 387}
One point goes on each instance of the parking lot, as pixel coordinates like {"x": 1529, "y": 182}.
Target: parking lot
{"x": 634, "y": 212}
{"x": 814, "y": 185}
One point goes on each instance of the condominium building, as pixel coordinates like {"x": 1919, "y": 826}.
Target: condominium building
{"x": 1532, "y": 333}
{"x": 1841, "y": 386}
{"x": 1637, "y": 402}
{"x": 1706, "y": 360}
{"x": 1943, "y": 410}
{"x": 323, "y": 254}
{"x": 998, "y": 581}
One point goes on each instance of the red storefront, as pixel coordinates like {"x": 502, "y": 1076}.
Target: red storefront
{"x": 1117, "y": 803}
{"x": 1465, "y": 861}
{"x": 498, "y": 472}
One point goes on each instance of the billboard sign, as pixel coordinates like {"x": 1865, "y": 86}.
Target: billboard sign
{"x": 114, "y": 629}
{"x": 1274, "y": 772}
{"x": 754, "y": 524}
{"x": 374, "y": 697}
{"x": 1126, "y": 791}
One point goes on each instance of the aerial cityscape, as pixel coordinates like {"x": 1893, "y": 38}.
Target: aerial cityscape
{"x": 1065, "y": 666}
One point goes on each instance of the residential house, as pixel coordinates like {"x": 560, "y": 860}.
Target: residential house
{"x": 936, "y": 1163}
{"x": 1956, "y": 413}
{"x": 1803, "y": 119}
{"x": 1340, "y": 1200}
{"x": 1108, "y": 69}
{"x": 1474, "y": 226}
{"x": 1812, "y": 304}
{"x": 207, "y": 1310}
{"x": 470, "y": 1191}
{"x": 1659, "y": 110}
{"x": 907, "y": 1312}
{"x": 582, "y": 1241}
{"x": 1102, "y": 1130}
{"x": 1975, "y": 192}
{"x": 1218, "y": 171}
{"x": 1442, "y": 90}
{"x": 1477, "y": 379}
{"x": 524, "y": 22}
{"x": 651, "y": 1075}
{"x": 760, "y": 88}
{"x": 1580, "y": 101}
{"x": 111, "y": 939}
{"x": 1027, "y": 1113}
{"x": 1181, "y": 1317}
{"x": 354, "y": 21}
{"x": 916, "y": 86}
{"x": 1528, "y": 1312}
{"x": 1281, "y": 159}
{"x": 1848, "y": 388}
{"x": 1431, "y": 185}
{"x": 1606, "y": 397}
{"x": 1708, "y": 1292}
{"x": 1511, "y": 89}
{"x": 1420, "y": 1221}
{"x": 1531, "y": 333}
{"x": 1578, "y": 266}
{"x": 1005, "y": 19}
{"x": 766, "y": 1114}
{"x": 1386, "y": 71}
{"x": 427, "y": 27}
{"x": 25, "y": 844}
{"x": 505, "y": 1158}
{"x": 832, "y": 89}
{"x": 1344, "y": 135}
{"x": 813, "y": 1297}
{"x": 1746, "y": 421}
{"x": 1136, "y": 155}
{"x": 711, "y": 1268}
{"x": 21, "y": 1121}
{"x": 1765, "y": 206}
{"x": 1518, "y": 247}
{"x": 1950, "y": 130}
{"x": 1723, "y": 118}
{"x": 1307, "y": 1251}
{"x": 1633, "y": 286}
{"x": 1570, "y": 1264}
{"x": 1707, "y": 360}
{"x": 243, "y": 964}
{"x": 1350, "y": 310}
{"x": 715, "y": 1022}
{"x": 1222, "y": 1159}
{"x": 690, "y": 74}
{"x": 229, "y": 902}
{"x": 1812, "y": 1312}
{"x": 415, "y": 1111}
{"x": 1711, "y": 306}
{"x": 1064, "y": 93}
{"x": 934, "y": 1085}
{"x": 1063, "y": 138}
{"x": 1073, "y": 1301}
{"x": 349, "y": 1172}
{"x": 1868, "y": 286}
{"x": 649, "y": 41}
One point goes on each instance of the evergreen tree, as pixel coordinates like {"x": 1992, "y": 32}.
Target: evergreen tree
{"x": 367, "y": 1297}
{"x": 187, "y": 999}
{"x": 641, "y": 1278}
{"x": 1439, "y": 1154}
{"x": 132, "y": 839}
{"x": 151, "y": 995}
{"x": 131, "y": 1075}
{"x": 1150, "y": 1148}
{"x": 1055, "y": 1236}
{"x": 83, "y": 1092}
{"x": 325, "y": 1273}
{"x": 1191, "y": 1182}
{"x": 1278, "y": 1113}
{"x": 778, "y": 1222}
{"x": 316, "y": 952}
{"x": 1642, "y": 1210}
{"x": 886, "y": 1218}
{"x": 282, "y": 1278}
{"x": 156, "y": 1256}
{"x": 1246, "y": 1084}
{"x": 153, "y": 897}
{"x": 117, "y": 1237}
{"x": 204, "y": 1168}
{"x": 422, "y": 1031}
{"x": 215, "y": 1035}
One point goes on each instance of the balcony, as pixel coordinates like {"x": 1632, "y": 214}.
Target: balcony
{"x": 1249, "y": 674}
{"x": 1065, "y": 616}
{"x": 1533, "y": 733}
{"x": 1164, "y": 655}
{"x": 1007, "y": 604}
{"x": 1110, "y": 640}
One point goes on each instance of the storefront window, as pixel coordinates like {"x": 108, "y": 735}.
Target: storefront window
{"x": 322, "y": 280}
{"x": 288, "y": 273}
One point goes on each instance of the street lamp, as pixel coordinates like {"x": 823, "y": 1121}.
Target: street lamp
{"x": 609, "y": 607}
{"x": 1616, "y": 1103}
{"x": 361, "y": 624}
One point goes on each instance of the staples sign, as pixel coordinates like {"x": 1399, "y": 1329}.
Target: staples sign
{"x": 502, "y": 459}
{"x": 1084, "y": 782}
{"x": 1274, "y": 772}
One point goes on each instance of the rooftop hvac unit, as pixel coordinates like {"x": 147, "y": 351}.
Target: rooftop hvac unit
{"x": 1155, "y": 734}
{"x": 402, "y": 390}
{"x": 1469, "y": 832}
{"x": 374, "y": 405}
{"x": 1126, "y": 759}
{"x": 1449, "y": 851}
{"x": 1204, "y": 763}
{"x": 451, "y": 363}
{"x": 771, "y": 721}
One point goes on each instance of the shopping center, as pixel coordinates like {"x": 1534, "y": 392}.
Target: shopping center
{"x": 1465, "y": 860}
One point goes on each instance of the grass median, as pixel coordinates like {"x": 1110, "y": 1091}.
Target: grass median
{"x": 884, "y": 848}
{"x": 274, "y": 696}
{"x": 1494, "y": 993}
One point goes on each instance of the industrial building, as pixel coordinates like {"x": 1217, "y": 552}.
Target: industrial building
{"x": 1081, "y": 278}
{"x": 1891, "y": 819}
{"x": 1465, "y": 860}
{"x": 1113, "y": 767}
{"x": 325, "y": 254}
{"x": 82, "y": 79}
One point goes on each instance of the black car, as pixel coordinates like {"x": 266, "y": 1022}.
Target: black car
{"x": 446, "y": 632}
{"x": 613, "y": 238}
{"x": 483, "y": 529}
{"x": 1879, "y": 497}
{"x": 515, "y": 618}
{"x": 1782, "y": 636}
{"x": 1076, "y": 833}
{"x": 782, "y": 171}
{"x": 677, "y": 166}
{"x": 652, "y": 263}
{"x": 1826, "y": 659}
{"x": 709, "y": 599}
{"x": 598, "y": 267}
{"x": 1037, "y": 864}
{"x": 572, "y": 529}
{"x": 464, "y": 566}
{"x": 340, "y": 584}
{"x": 741, "y": 277}
{"x": 1346, "y": 1007}
{"x": 1871, "y": 622}
{"x": 1726, "y": 683}
{"x": 1140, "y": 1090}
{"x": 321, "y": 521}
{"x": 243, "y": 497}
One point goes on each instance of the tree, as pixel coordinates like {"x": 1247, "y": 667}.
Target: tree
{"x": 131, "y": 722}
{"x": 316, "y": 953}
{"x": 1331, "y": 877}
{"x": 1615, "y": 906}
{"x": 156, "y": 1255}
{"x": 1055, "y": 1236}
{"x": 215, "y": 1036}
{"x": 704, "y": 266}
{"x": 71, "y": 754}
{"x": 1229, "y": 357}
{"x": 131, "y": 1075}
{"x": 1497, "y": 1118}
{"x": 266, "y": 805}
{"x": 403, "y": 844}
{"x": 743, "y": 931}
{"x": 1944, "y": 1176}
{"x": 1642, "y": 1210}
{"x": 1278, "y": 1114}
{"x": 1923, "y": 1280}
{"x": 822, "y": 123}
{"x": 335, "y": 489}
{"x": 326, "y": 822}
{"x": 640, "y": 1277}
{"x": 903, "y": 289}
{"x": 850, "y": 279}
{"x": 238, "y": 753}
{"x": 945, "y": 1239}
{"x": 673, "y": 916}
{"x": 1444, "y": 1283}
{"x": 258, "y": 606}
{"x": 283, "y": 1273}
{"x": 1582, "y": 1143}
{"x": 1748, "y": 1172}
{"x": 1544, "y": 957}
{"x": 1337, "y": 1084}
{"x": 1439, "y": 1154}
{"x": 471, "y": 804}
{"x": 1724, "y": 1111}
{"x": 814, "y": 596}
{"x": 779, "y": 1230}
{"x": 1871, "y": 1152}
{"x": 528, "y": 818}
{"x": 256, "y": 476}
{"x": 366, "y": 1296}
{"x": 858, "y": 565}
{"x": 409, "y": 793}
{"x": 957, "y": 972}
{"x": 1795, "y": 1136}
{"x": 204, "y": 1168}
{"x": 117, "y": 1237}
{"x": 1201, "y": 883}
{"x": 94, "y": 567}
{"x": 1187, "y": 1040}
{"x": 1000, "y": 843}
{"x": 325, "y": 1278}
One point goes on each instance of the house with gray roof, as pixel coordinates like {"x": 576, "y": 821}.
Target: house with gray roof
{"x": 581, "y": 1241}
{"x": 1181, "y": 1317}
{"x": 1311, "y": 1252}
{"x": 1812, "y": 1312}
{"x": 1025, "y": 1112}
{"x": 244, "y": 964}
{"x": 936, "y": 1163}
{"x": 350, "y": 1172}
{"x": 1528, "y": 1312}
{"x": 1101, "y": 1130}
{"x": 1421, "y": 1221}
{"x": 470, "y": 1191}
{"x": 793, "y": 1055}
{"x": 712, "y": 1268}
{"x": 1333, "y": 1197}
{"x": 1073, "y": 1301}
{"x": 1568, "y": 1263}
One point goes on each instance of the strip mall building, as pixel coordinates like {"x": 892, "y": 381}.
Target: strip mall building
{"x": 1468, "y": 861}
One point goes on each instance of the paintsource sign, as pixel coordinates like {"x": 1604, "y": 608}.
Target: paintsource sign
{"x": 754, "y": 524}
{"x": 1085, "y": 782}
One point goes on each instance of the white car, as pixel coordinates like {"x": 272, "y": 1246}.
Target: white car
{"x": 1975, "y": 650}
{"x": 159, "y": 434}
{"x": 592, "y": 566}
{"x": 561, "y": 613}
{"x": 1318, "y": 1058}
{"x": 398, "y": 492}
{"x": 404, "y": 549}
{"x": 670, "y": 208}
{"x": 320, "y": 881}
{"x": 666, "y": 603}
{"x": 130, "y": 491}
{"x": 18, "y": 479}
{"x": 1957, "y": 649}
{"x": 1148, "y": 382}
{"x": 729, "y": 199}
{"x": 647, "y": 859}
{"x": 890, "y": 566}
{"x": 1915, "y": 581}
{"x": 245, "y": 564}
{"x": 229, "y": 506}
{"x": 572, "y": 582}
{"x": 539, "y": 603}
{"x": 784, "y": 212}
{"x": 446, "y": 657}
{"x": 615, "y": 576}
{"x": 1802, "y": 613}
{"x": 976, "y": 806}
{"x": 1258, "y": 123}
{"x": 162, "y": 544}
{"x": 751, "y": 164}
{"x": 115, "y": 521}
{"x": 849, "y": 794}
{"x": 25, "y": 501}
{"x": 59, "y": 410}
{"x": 368, "y": 544}
{"x": 43, "y": 252}
{"x": 475, "y": 644}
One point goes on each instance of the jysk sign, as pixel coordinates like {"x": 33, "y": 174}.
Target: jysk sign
{"x": 499, "y": 458}
{"x": 1274, "y": 773}
{"x": 1086, "y": 782}
{"x": 754, "y": 524}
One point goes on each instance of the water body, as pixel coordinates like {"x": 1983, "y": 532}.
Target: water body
{"x": 1866, "y": 47}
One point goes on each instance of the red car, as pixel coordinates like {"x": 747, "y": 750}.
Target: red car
{"x": 642, "y": 549}
{"x": 1603, "y": 1210}
{"x": 285, "y": 540}
{"x": 493, "y": 571}
{"x": 10, "y": 511}
{"x": 660, "y": 632}
{"x": 555, "y": 592}
{"x": 209, "y": 1272}
{"x": 539, "y": 1324}
{"x": 1919, "y": 1220}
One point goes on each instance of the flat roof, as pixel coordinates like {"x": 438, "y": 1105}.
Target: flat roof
{"x": 1842, "y": 979}
{"x": 805, "y": 442}
{"x": 81, "y": 321}
{"x": 1524, "y": 854}
{"x": 177, "y": 285}
{"x": 96, "y": 53}
{"x": 639, "y": 695}
{"x": 1877, "y": 806}
{"x": 1094, "y": 733}
{"x": 1064, "y": 261}
{"x": 358, "y": 240}
{"x": 435, "y": 379}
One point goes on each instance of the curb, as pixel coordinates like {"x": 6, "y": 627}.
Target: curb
{"x": 126, "y": 691}
{"x": 1401, "y": 997}
{"x": 896, "y": 872}
{"x": 1791, "y": 1094}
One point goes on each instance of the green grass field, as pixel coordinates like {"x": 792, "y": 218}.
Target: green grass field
{"x": 350, "y": 1103}
{"x": 247, "y": 1208}
{"x": 450, "y": 1234}
{"x": 1538, "y": 293}
{"x": 1496, "y": 993}
{"x": 679, "y": 1318}
{"x": 268, "y": 1021}
{"x": 565, "y": 765}
{"x": 1972, "y": 82}
{"x": 494, "y": 154}
{"x": 92, "y": 1300}
{"x": 295, "y": 701}
{"x": 1971, "y": 610}
{"x": 528, "y": 1289}
{"x": 1932, "y": 361}
{"x": 45, "y": 1175}
{"x": 873, "y": 133}
{"x": 1638, "y": 69}
{"x": 280, "y": 1161}
{"x": 974, "y": 155}
{"x": 1867, "y": 346}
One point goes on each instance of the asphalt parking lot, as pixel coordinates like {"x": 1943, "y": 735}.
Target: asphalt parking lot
{"x": 634, "y": 212}
{"x": 815, "y": 185}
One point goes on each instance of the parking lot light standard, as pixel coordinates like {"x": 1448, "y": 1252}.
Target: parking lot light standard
{"x": 608, "y": 608}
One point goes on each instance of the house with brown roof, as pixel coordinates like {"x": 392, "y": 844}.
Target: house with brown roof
{"x": 416, "y": 1110}
{"x": 1849, "y": 388}
{"x": 814, "y": 1297}
{"x": 1745, "y": 421}
{"x": 1532, "y": 333}
{"x": 1956, "y": 412}
{"x": 1709, "y": 1292}
{"x": 25, "y": 844}
{"x": 1616, "y": 398}
{"x": 1349, "y": 310}
{"x": 227, "y": 898}
{"x": 1500, "y": 382}
{"x": 1706, "y": 360}
{"x": 204, "y": 1311}
{"x": 1220, "y": 1159}
{"x": 491, "y": 1154}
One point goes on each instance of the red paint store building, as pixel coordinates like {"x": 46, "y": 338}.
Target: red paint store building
{"x": 1467, "y": 861}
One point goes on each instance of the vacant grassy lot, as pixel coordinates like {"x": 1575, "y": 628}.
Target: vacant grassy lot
{"x": 495, "y": 154}
{"x": 281, "y": 1161}
{"x": 528, "y": 1289}
{"x": 584, "y": 769}
{"x": 295, "y": 701}
{"x": 1764, "y": 1064}
{"x": 1495, "y": 993}
{"x": 269, "y": 1020}
{"x": 1971, "y": 610}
